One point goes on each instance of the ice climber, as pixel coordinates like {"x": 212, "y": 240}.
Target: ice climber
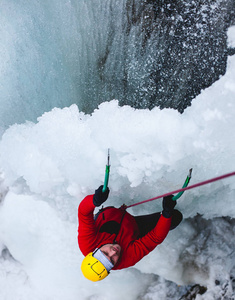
{"x": 113, "y": 239}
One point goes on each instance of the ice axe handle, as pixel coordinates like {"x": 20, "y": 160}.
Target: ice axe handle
{"x": 184, "y": 186}
{"x": 106, "y": 178}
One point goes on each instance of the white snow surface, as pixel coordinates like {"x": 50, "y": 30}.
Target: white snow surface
{"x": 231, "y": 36}
{"x": 48, "y": 167}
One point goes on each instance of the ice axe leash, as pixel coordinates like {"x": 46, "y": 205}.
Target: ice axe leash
{"x": 185, "y": 188}
{"x": 106, "y": 178}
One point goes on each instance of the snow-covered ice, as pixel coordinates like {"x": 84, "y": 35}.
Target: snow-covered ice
{"x": 49, "y": 166}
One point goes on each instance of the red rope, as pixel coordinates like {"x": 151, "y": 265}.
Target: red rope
{"x": 186, "y": 188}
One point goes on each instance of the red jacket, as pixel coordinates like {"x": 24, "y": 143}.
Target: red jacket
{"x": 133, "y": 248}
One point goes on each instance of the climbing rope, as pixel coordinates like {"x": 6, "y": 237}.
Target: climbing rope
{"x": 185, "y": 188}
{"x": 179, "y": 191}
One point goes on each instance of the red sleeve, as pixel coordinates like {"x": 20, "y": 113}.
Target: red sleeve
{"x": 143, "y": 246}
{"x": 86, "y": 225}
{"x": 155, "y": 237}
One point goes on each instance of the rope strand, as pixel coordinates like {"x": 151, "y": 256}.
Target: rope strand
{"x": 186, "y": 188}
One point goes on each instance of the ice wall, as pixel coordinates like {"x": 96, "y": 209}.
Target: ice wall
{"x": 56, "y": 53}
{"x": 38, "y": 58}
{"x": 50, "y": 165}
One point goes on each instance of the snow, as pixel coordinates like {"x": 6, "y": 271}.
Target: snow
{"x": 231, "y": 36}
{"x": 49, "y": 166}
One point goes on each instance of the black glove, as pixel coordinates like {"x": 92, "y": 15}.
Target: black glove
{"x": 100, "y": 197}
{"x": 168, "y": 206}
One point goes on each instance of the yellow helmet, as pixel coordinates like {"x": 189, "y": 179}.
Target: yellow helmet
{"x": 92, "y": 267}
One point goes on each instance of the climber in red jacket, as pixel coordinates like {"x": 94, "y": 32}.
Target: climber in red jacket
{"x": 114, "y": 239}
